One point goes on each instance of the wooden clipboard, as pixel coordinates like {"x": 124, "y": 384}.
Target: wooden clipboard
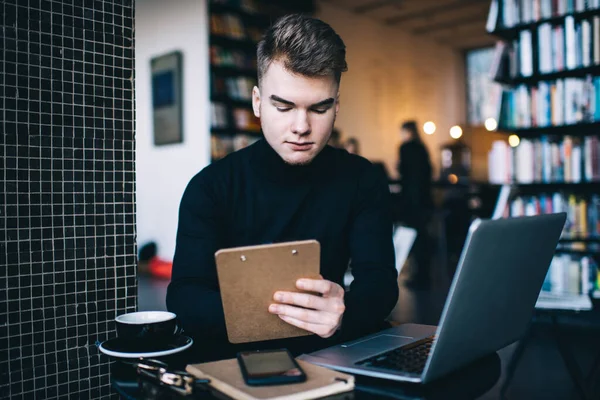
{"x": 248, "y": 278}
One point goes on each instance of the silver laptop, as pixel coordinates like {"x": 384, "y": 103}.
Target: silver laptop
{"x": 489, "y": 305}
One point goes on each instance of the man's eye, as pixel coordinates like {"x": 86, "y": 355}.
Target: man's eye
{"x": 283, "y": 109}
{"x": 320, "y": 111}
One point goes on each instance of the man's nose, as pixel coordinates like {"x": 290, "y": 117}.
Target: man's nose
{"x": 301, "y": 125}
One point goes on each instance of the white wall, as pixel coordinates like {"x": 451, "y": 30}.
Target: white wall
{"x": 392, "y": 76}
{"x": 163, "y": 172}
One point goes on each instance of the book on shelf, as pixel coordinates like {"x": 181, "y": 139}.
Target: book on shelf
{"x": 582, "y": 211}
{"x": 222, "y": 145}
{"x": 222, "y": 57}
{"x": 565, "y": 159}
{"x": 218, "y": 115}
{"x": 525, "y": 55}
{"x": 240, "y": 88}
{"x": 218, "y": 86}
{"x": 227, "y": 25}
{"x": 241, "y": 141}
{"x": 245, "y": 120}
{"x": 492, "y": 20}
{"x": 500, "y": 163}
{"x": 235, "y": 88}
{"x": 572, "y": 275}
{"x": 498, "y": 64}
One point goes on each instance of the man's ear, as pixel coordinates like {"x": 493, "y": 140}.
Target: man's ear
{"x": 256, "y": 101}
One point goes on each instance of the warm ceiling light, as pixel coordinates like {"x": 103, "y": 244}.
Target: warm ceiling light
{"x": 514, "y": 140}
{"x": 456, "y": 132}
{"x": 429, "y": 127}
{"x": 491, "y": 124}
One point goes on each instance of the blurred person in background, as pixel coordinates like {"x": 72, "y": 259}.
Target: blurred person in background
{"x": 416, "y": 202}
{"x": 351, "y": 146}
{"x": 335, "y": 139}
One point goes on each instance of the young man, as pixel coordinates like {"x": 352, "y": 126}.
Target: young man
{"x": 290, "y": 186}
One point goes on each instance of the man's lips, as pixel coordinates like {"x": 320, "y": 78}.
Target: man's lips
{"x": 300, "y": 146}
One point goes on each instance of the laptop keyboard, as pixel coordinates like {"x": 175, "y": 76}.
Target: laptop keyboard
{"x": 410, "y": 358}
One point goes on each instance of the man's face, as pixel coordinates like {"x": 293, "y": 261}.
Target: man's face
{"x": 297, "y": 112}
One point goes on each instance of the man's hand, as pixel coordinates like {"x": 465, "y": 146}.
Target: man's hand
{"x": 320, "y": 315}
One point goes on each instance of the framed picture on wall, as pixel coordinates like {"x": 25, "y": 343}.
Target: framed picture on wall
{"x": 167, "y": 98}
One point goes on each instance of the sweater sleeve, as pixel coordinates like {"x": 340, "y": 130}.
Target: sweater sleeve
{"x": 193, "y": 293}
{"x": 374, "y": 291}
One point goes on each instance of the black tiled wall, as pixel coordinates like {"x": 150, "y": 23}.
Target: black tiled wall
{"x": 67, "y": 213}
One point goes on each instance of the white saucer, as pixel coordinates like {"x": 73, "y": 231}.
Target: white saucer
{"x": 123, "y": 349}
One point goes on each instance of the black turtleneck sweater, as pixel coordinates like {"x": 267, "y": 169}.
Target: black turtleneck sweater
{"x": 253, "y": 197}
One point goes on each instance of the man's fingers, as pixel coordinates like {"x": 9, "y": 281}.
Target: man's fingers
{"x": 323, "y": 286}
{"x": 302, "y": 299}
{"x": 318, "y": 314}
{"x": 302, "y": 314}
{"x": 322, "y": 330}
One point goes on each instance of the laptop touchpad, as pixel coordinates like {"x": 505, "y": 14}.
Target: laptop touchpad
{"x": 378, "y": 343}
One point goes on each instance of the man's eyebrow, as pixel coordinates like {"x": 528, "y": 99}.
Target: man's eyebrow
{"x": 280, "y": 100}
{"x": 325, "y": 102}
{"x": 322, "y": 103}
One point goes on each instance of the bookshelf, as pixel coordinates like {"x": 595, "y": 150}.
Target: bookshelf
{"x": 558, "y": 11}
{"x": 236, "y": 26}
{"x": 548, "y": 61}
